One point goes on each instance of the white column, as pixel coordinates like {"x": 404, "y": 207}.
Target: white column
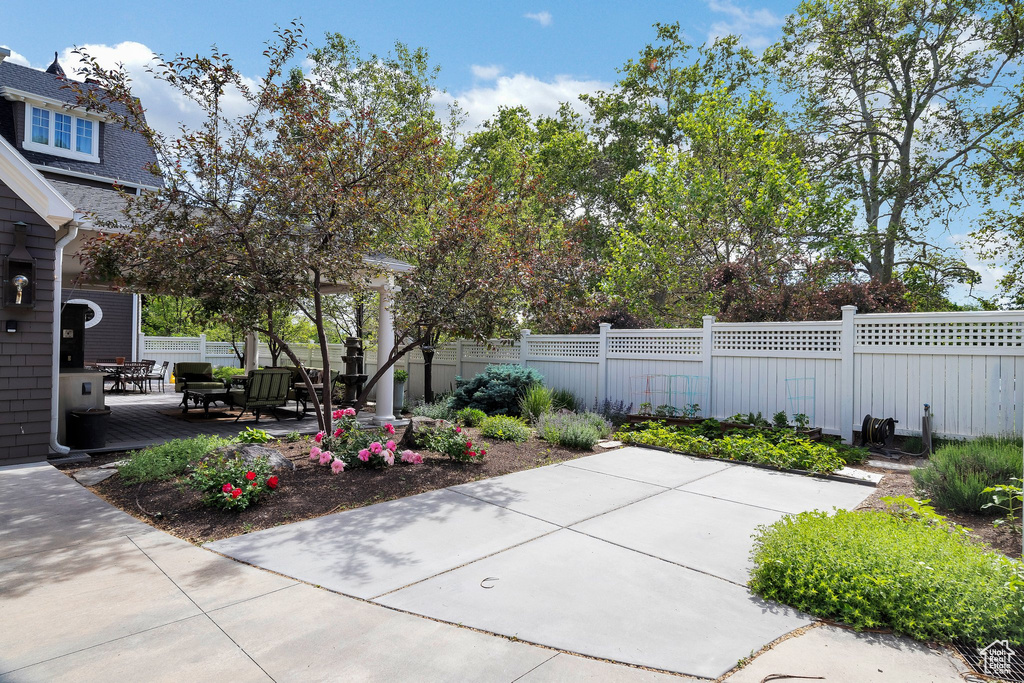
{"x": 846, "y": 374}
{"x": 385, "y": 343}
{"x": 137, "y": 348}
{"x": 602, "y": 365}
{"x": 252, "y": 352}
{"x": 706, "y": 356}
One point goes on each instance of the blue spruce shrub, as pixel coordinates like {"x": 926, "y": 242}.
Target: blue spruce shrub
{"x": 496, "y": 390}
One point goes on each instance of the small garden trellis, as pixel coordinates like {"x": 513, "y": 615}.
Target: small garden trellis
{"x": 800, "y": 394}
{"x": 671, "y": 395}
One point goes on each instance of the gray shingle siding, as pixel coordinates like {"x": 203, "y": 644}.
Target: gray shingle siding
{"x": 26, "y": 356}
{"x": 112, "y": 336}
{"x": 124, "y": 155}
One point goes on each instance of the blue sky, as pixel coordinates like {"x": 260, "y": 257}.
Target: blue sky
{"x": 491, "y": 53}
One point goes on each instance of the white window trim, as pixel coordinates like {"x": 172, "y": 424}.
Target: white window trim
{"x": 53, "y": 150}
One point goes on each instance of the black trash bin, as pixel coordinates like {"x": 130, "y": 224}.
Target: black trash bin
{"x": 88, "y": 428}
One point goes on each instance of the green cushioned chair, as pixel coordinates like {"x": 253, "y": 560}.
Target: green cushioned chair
{"x": 266, "y": 389}
{"x": 195, "y": 376}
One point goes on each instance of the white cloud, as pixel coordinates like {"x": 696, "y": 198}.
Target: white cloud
{"x": 16, "y": 58}
{"x": 485, "y": 73}
{"x": 540, "y": 97}
{"x": 757, "y": 26}
{"x": 542, "y": 18}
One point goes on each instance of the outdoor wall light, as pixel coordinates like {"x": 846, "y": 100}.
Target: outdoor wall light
{"x": 11, "y": 326}
{"x": 20, "y": 283}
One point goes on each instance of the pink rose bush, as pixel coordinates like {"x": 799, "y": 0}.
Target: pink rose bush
{"x": 348, "y": 445}
{"x": 449, "y": 439}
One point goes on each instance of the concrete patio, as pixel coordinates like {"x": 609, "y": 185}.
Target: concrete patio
{"x": 632, "y": 556}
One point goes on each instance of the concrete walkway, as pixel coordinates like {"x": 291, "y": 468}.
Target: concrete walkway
{"x": 575, "y": 557}
{"x": 88, "y": 593}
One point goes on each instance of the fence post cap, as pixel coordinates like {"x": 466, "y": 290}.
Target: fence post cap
{"x": 525, "y": 332}
{"x": 605, "y": 326}
{"x": 850, "y": 307}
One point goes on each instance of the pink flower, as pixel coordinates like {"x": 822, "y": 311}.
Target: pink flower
{"x": 376, "y": 448}
{"x": 338, "y": 466}
{"x": 339, "y": 431}
{"x": 314, "y": 453}
{"x": 458, "y": 430}
{"x": 364, "y": 455}
{"x": 319, "y": 437}
{"x": 412, "y": 457}
{"x": 389, "y": 428}
{"x": 227, "y": 488}
{"x": 390, "y": 445}
{"x": 325, "y": 457}
{"x": 348, "y": 412}
{"x": 337, "y": 414}
{"x": 389, "y": 457}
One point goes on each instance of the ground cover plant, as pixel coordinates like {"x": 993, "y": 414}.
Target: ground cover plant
{"x": 912, "y": 572}
{"x": 957, "y": 474}
{"x": 573, "y": 430}
{"x": 167, "y": 460}
{"x": 785, "y": 450}
{"x": 506, "y": 428}
{"x": 471, "y": 417}
{"x": 440, "y": 409}
{"x": 496, "y": 390}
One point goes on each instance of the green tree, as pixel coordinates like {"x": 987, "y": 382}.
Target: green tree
{"x": 898, "y": 99}
{"x": 733, "y": 189}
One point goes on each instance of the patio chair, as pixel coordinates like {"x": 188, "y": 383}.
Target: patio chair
{"x": 135, "y": 373}
{"x": 194, "y": 376}
{"x": 157, "y": 375}
{"x": 267, "y": 388}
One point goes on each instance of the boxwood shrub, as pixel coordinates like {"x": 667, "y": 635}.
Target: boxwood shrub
{"x": 877, "y": 570}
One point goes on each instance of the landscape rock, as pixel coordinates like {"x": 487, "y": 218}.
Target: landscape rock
{"x": 416, "y": 425}
{"x": 251, "y": 451}
{"x": 91, "y": 476}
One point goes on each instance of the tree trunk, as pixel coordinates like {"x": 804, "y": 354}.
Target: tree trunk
{"x": 428, "y": 374}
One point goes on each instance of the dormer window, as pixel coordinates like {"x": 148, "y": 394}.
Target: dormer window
{"x": 61, "y": 133}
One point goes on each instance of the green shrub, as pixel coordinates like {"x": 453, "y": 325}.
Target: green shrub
{"x": 958, "y": 473}
{"x": 506, "y": 428}
{"x": 441, "y": 409}
{"x": 563, "y": 399}
{"x": 788, "y": 451}
{"x": 253, "y": 435}
{"x": 471, "y": 417}
{"x": 451, "y": 441}
{"x": 875, "y": 570}
{"x": 232, "y": 483}
{"x": 401, "y": 375}
{"x": 227, "y": 372}
{"x": 168, "y": 460}
{"x": 573, "y": 430}
{"x": 534, "y": 402}
{"x": 496, "y": 390}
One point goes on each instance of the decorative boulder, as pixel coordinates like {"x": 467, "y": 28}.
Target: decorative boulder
{"x": 416, "y": 425}
{"x": 249, "y": 452}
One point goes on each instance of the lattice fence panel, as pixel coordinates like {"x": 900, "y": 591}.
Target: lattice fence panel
{"x": 498, "y": 352}
{"x": 945, "y": 334}
{"x": 687, "y": 344}
{"x": 803, "y": 340}
{"x": 172, "y": 344}
{"x": 574, "y": 348}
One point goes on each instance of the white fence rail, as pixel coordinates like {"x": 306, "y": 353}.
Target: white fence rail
{"x": 969, "y": 367}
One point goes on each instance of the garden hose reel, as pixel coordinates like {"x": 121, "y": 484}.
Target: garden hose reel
{"x": 878, "y": 434}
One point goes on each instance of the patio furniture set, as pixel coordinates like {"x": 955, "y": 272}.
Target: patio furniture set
{"x": 138, "y": 374}
{"x": 258, "y": 392}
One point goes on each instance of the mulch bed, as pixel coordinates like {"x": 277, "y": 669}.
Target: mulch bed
{"x": 311, "y": 490}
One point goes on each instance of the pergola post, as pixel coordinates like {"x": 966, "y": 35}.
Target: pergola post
{"x": 385, "y": 343}
{"x": 252, "y": 352}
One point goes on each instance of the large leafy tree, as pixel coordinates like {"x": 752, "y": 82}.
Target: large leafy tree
{"x": 732, "y": 190}
{"x": 899, "y": 99}
{"x": 270, "y": 209}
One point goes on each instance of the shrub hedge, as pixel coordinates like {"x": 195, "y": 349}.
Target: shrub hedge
{"x": 957, "y": 474}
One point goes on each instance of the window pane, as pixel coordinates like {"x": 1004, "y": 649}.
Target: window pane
{"x": 40, "y": 126}
{"x": 83, "y": 136}
{"x": 62, "y": 131}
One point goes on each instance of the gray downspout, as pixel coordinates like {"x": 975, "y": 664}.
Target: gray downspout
{"x": 58, "y": 283}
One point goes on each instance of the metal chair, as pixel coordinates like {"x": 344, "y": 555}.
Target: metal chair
{"x": 267, "y": 388}
{"x": 157, "y": 375}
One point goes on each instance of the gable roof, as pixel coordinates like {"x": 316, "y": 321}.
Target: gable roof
{"x": 17, "y": 174}
{"x": 125, "y": 156}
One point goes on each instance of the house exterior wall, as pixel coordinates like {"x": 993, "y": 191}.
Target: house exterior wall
{"x": 112, "y": 335}
{"x": 26, "y": 357}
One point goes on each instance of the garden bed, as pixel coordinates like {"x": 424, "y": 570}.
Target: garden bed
{"x": 813, "y": 434}
{"x": 311, "y": 490}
